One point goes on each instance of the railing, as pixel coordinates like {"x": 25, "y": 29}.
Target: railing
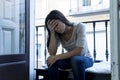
{"x": 94, "y": 40}
{"x": 37, "y": 43}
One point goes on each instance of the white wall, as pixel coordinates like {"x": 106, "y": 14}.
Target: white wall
{"x": 32, "y": 41}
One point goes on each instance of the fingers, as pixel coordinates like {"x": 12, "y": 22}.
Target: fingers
{"x": 51, "y": 60}
{"x": 49, "y": 64}
{"x": 52, "y": 24}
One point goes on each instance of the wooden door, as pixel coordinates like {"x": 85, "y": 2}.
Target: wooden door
{"x": 14, "y": 39}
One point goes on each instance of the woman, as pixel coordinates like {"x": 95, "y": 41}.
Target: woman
{"x": 72, "y": 37}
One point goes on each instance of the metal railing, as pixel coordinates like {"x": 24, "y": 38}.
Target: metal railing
{"x": 94, "y": 38}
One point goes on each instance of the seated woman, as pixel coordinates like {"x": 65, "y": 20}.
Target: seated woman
{"x": 72, "y": 37}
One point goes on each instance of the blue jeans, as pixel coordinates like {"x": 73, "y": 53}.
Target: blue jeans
{"x": 78, "y": 64}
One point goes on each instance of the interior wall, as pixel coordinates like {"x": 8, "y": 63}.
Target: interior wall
{"x": 32, "y": 41}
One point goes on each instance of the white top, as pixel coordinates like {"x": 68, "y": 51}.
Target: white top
{"x": 78, "y": 39}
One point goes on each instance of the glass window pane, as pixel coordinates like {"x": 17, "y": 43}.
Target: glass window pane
{"x": 12, "y": 27}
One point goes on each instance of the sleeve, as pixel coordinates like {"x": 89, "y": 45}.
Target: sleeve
{"x": 81, "y": 35}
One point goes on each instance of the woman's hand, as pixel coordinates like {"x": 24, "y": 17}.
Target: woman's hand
{"x": 51, "y": 60}
{"x": 51, "y": 25}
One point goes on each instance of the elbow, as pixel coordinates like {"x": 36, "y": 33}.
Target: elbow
{"x": 78, "y": 50}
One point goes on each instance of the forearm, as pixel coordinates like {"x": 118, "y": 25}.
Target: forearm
{"x": 66, "y": 55}
{"x": 52, "y": 49}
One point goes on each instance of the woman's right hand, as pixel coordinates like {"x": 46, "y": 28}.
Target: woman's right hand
{"x": 51, "y": 25}
{"x": 51, "y": 60}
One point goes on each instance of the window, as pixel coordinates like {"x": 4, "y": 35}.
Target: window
{"x": 88, "y": 6}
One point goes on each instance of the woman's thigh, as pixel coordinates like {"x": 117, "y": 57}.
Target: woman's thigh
{"x": 76, "y": 60}
{"x": 64, "y": 64}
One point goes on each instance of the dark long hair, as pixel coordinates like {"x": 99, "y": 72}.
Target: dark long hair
{"x": 57, "y": 15}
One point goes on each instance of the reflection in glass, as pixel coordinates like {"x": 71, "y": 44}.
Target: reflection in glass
{"x": 22, "y": 27}
{"x": 12, "y": 27}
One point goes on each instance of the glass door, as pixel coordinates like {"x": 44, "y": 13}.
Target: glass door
{"x": 14, "y": 40}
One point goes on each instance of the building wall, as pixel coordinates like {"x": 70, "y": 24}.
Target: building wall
{"x": 43, "y": 7}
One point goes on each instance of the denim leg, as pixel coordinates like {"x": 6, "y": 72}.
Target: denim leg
{"x": 79, "y": 64}
{"x": 53, "y": 71}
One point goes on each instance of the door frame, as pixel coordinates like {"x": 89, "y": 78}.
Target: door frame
{"x": 9, "y": 60}
{"x": 27, "y": 34}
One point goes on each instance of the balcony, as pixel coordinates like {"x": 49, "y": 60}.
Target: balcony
{"x": 95, "y": 15}
{"x": 98, "y": 37}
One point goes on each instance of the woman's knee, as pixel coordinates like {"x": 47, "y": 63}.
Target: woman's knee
{"x": 76, "y": 60}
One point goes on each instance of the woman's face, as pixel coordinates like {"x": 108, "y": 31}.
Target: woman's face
{"x": 56, "y": 25}
{"x": 60, "y": 28}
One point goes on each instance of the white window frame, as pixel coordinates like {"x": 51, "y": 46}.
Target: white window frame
{"x": 92, "y": 7}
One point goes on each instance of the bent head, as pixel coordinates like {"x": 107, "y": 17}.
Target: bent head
{"x": 59, "y": 19}
{"x": 57, "y": 26}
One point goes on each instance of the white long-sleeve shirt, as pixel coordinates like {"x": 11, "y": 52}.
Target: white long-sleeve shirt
{"x": 78, "y": 39}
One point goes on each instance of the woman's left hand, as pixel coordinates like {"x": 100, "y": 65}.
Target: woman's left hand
{"x": 51, "y": 60}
